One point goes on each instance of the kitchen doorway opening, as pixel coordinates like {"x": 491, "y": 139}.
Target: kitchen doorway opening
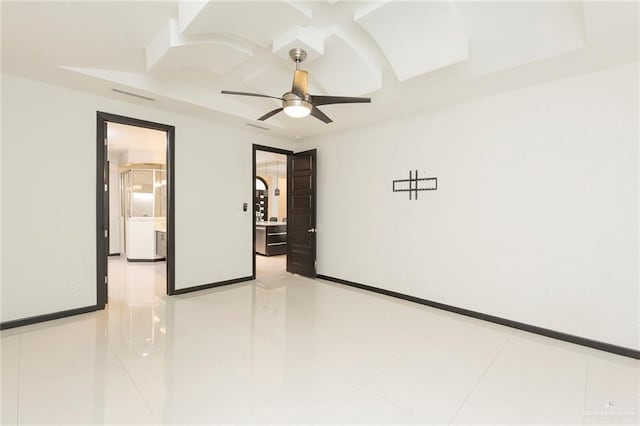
{"x": 270, "y": 206}
{"x": 135, "y": 207}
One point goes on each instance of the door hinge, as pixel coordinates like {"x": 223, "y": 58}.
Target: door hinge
{"x": 106, "y": 233}
{"x": 105, "y": 142}
{"x": 106, "y": 279}
{"x": 106, "y": 187}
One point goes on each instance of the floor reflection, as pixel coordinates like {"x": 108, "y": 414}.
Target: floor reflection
{"x": 137, "y": 306}
{"x": 285, "y": 349}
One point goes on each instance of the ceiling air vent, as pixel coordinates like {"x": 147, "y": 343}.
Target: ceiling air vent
{"x": 133, "y": 94}
{"x": 257, "y": 127}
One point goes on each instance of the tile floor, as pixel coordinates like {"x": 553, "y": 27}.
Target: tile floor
{"x": 290, "y": 350}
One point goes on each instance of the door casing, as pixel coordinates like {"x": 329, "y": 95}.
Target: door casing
{"x": 102, "y": 179}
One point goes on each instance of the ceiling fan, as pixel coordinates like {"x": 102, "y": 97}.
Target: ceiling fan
{"x": 298, "y": 103}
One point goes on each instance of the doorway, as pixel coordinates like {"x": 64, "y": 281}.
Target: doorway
{"x": 269, "y": 212}
{"x": 139, "y": 180}
{"x": 293, "y": 235}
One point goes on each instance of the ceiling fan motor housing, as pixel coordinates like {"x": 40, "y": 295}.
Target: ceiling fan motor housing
{"x": 298, "y": 54}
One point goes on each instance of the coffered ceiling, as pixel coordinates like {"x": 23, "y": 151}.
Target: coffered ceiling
{"x": 407, "y": 56}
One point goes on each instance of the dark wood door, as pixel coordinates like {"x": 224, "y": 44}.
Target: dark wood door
{"x": 301, "y": 214}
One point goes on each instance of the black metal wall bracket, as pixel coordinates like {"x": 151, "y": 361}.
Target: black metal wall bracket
{"x": 414, "y": 184}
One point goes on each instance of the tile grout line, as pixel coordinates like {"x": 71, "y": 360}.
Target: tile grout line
{"x": 269, "y": 402}
{"x": 390, "y": 365}
{"x": 407, "y": 353}
{"x": 362, "y": 386}
{"x": 135, "y": 384}
{"x": 480, "y": 378}
{"x": 248, "y": 383}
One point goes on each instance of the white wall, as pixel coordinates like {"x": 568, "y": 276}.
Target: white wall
{"x": 145, "y": 156}
{"x": 535, "y": 218}
{"x": 49, "y": 259}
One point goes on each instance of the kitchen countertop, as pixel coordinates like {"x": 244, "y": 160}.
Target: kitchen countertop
{"x": 270, "y": 223}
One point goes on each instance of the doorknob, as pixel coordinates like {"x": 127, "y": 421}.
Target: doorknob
{"x": 311, "y": 231}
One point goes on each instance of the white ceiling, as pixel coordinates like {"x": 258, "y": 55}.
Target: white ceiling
{"x": 407, "y": 56}
{"x": 268, "y": 157}
{"x": 122, "y": 138}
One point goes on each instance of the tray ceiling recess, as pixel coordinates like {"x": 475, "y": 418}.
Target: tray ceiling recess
{"x": 406, "y": 55}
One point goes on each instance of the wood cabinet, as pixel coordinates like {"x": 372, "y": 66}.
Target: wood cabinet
{"x": 271, "y": 239}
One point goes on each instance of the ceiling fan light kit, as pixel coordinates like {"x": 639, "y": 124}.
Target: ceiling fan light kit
{"x": 296, "y": 107}
{"x": 298, "y": 103}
